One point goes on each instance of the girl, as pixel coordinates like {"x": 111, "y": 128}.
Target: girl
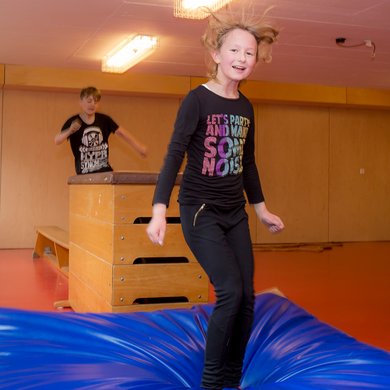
{"x": 215, "y": 127}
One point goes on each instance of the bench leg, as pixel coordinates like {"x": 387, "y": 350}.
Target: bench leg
{"x": 62, "y": 255}
{"x": 62, "y": 304}
{"x": 40, "y": 245}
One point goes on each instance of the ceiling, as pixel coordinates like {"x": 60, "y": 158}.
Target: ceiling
{"x": 78, "y": 33}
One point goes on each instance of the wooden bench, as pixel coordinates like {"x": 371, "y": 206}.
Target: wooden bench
{"x": 53, "y": 242}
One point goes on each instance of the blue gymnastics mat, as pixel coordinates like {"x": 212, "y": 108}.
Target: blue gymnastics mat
{"x": 289, "y": 349}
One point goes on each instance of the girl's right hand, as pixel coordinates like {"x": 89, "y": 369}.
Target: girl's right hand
{"x": 157, "y": 226}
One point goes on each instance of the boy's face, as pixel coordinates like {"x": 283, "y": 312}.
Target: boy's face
{"x": 89, "y": 104}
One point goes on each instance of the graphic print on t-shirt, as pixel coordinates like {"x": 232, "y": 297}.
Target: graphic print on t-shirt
{"x": 93, "y": 151}
{"x": 224, "y": 143}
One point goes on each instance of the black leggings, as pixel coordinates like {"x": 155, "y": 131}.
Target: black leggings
{"x": 220, "y": 240}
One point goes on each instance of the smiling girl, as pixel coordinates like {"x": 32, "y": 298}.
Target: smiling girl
{"x": 215, "y": 126}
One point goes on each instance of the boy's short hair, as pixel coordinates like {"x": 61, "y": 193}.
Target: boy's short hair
{"x": 91, "y": 91}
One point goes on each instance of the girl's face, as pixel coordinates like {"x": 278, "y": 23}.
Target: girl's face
{"x": 236, "y": 58}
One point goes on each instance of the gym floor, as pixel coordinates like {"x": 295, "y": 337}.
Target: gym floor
{"x": 345, "y": 285}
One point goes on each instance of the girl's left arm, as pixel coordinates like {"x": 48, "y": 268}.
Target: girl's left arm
{"x": 272, "y": 221}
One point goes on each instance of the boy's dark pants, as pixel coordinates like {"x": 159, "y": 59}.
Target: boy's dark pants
{"x": 220, "y": 240}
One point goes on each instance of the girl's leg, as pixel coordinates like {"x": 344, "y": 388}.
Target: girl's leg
{"x": 213, "y": 235}
{"x": 241, "y": 243}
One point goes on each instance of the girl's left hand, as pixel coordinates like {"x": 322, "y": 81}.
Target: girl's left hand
{"x": 273, "y": 222}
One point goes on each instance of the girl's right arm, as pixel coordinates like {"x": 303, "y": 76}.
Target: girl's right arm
{"x": 185, "y": 125}
{"x": 158, "y": 224}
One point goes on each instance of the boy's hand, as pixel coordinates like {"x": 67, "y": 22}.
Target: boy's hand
{"x": 75, "y": 125}
{"x": 143, "y": 151}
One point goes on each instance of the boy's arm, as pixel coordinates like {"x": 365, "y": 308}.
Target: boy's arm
{"x": 64, "y": 134}
{"x": 132, "y": 141}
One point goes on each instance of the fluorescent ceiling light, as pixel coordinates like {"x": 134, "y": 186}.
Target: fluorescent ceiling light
{"x": 197, "y": 9}
{"x": 128, "y": 53}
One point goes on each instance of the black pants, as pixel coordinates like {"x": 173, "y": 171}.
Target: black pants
{"x": 220, "y": 240}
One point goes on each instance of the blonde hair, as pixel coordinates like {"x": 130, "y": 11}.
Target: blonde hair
{"x": 221, "y": 23}
{"x": 91, "y": 91}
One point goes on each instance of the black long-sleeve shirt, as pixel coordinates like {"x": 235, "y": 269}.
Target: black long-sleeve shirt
{"x": 218, "y": 135}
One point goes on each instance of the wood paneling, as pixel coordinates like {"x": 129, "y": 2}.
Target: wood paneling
{"x": 1, "y": 140}
{"x": 99, "y": 238}
{"x": 117, "y": 204}
{"x": 35, "y": 78}
{"x": 368, "y": 97}
{"x": 294, "y": 93}
{"x": 2, "y": 70}
{"x": 122, "y": 285}
{"x": 27, "y": 77}
{"x": 292, "y": 151}
{"x": 34, "y": 172}
{"x": 264, "y": 91}
{"x": 111, "y": 258}
{"x": 84, "y": 298}
{"x": 93, "y": 271}
{"x": 359, "y": 188}
{"x": 150, "y": 119}
{"x": 145, "y": 281}
{"x": 89, "y": 300}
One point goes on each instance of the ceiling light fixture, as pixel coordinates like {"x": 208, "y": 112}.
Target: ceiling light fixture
{"x": 129, "y": 53}
{"x": 197, "y": 9}
{"x": 341, "y": 41}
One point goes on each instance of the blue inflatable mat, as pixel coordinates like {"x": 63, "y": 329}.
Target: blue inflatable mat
{"x": 163, "y": 350}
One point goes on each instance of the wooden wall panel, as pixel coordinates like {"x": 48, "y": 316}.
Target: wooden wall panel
{"x": 99, "y": 237}
{"x": 292, "y": 152}
{"x": 363, "y": 97}
{"x": 92, "y": 271}
{"x": 120, "y": 204}
{"x": 1, "y": 138}
{"x": 150, "y": 120}
{"x": 145, "y": 281}
{"x": 359, "y": 190}
{"x": 46, "y": 78}
{"x": 34, "y": 171}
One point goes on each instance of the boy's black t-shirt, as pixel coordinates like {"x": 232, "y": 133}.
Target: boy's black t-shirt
{"x": 90, "y": 143}
{"x": 218, "y": 135}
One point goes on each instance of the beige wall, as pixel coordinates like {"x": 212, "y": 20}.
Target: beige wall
{"x": 34, "y": 176}
{"x": 359, "y": 172}
{"x": 293, "y": 148}
{"x": 326, "y": 171}
{"x": 312, "y": 144}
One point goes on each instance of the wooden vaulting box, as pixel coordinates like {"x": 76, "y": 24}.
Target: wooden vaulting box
{"x": 113, "y": 267}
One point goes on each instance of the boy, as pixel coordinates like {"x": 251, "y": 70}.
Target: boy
{"x": 88, "y": 133}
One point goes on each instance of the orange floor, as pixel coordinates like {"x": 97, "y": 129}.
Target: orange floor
{"x": 346, "y": 285}
{"x": 31, "y": 284}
